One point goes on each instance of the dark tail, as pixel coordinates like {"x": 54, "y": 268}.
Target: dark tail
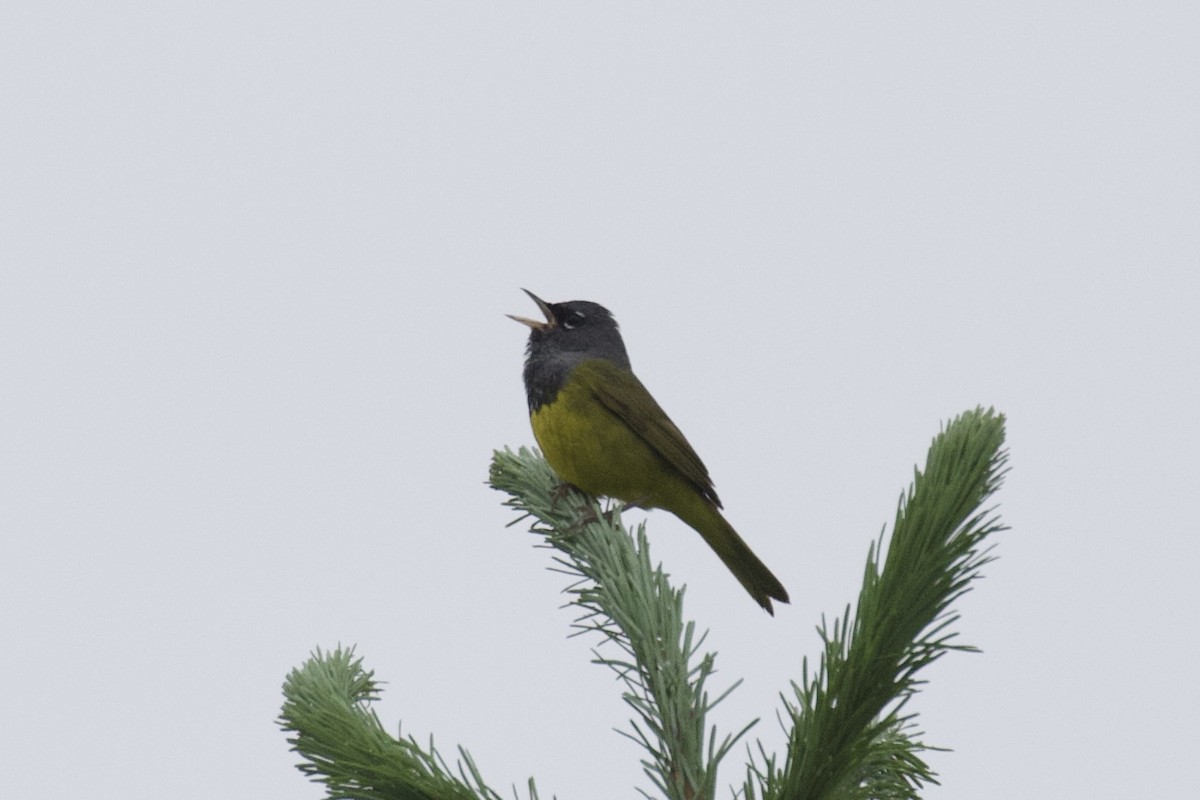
{"x": 750, "y": 571}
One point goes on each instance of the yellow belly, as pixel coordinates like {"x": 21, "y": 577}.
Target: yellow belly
{"x": 590, "y": 447}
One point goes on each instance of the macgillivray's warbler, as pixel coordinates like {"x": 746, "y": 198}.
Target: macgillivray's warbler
{"x": 603, "y": 432}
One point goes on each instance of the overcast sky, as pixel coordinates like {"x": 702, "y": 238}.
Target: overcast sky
{"x": 255, "y": 265}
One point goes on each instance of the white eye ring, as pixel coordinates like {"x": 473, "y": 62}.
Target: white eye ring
{"x": 573, "y": 320}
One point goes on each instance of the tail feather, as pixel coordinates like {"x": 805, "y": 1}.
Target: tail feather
{"x": 748, "y": 568}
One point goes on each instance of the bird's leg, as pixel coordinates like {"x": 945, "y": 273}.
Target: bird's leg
{"x": 560, "y": 491}
{"x": 587, "y": 515}
{"x": 586, "y": 512}
{"x": 638, "y": 503}
{"x": 613, "y": 514}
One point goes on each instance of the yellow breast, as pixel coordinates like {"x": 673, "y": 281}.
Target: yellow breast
{"x": 592, "y": 448}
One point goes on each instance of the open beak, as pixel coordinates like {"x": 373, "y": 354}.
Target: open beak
{"x": 533, "y": 323}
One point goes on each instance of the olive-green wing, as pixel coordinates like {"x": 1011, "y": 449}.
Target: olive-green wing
{"x": 620, "y": 391}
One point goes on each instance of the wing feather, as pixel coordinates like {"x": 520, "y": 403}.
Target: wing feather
{"x": 620, "y": 391}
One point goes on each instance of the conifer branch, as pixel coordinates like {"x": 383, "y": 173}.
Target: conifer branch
{"x": 327, "y": 708}
{"x": 630, "y": 603}
{"x": 850, "y": 737}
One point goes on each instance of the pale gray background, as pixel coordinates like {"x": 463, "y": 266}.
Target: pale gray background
{"x": 255, "y": 265}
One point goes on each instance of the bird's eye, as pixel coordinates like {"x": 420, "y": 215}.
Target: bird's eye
{"x": 573, "y": 319}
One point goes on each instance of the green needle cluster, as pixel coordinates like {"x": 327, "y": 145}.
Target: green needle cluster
{"x": 851, "y": 735}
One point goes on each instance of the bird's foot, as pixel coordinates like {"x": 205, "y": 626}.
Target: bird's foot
{"x": 560, "y": 491}
{"x": 588, "y": 515}
{"x": 613, "y": 515}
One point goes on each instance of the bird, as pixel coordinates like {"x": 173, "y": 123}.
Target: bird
{"x": 603, "y": 432}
